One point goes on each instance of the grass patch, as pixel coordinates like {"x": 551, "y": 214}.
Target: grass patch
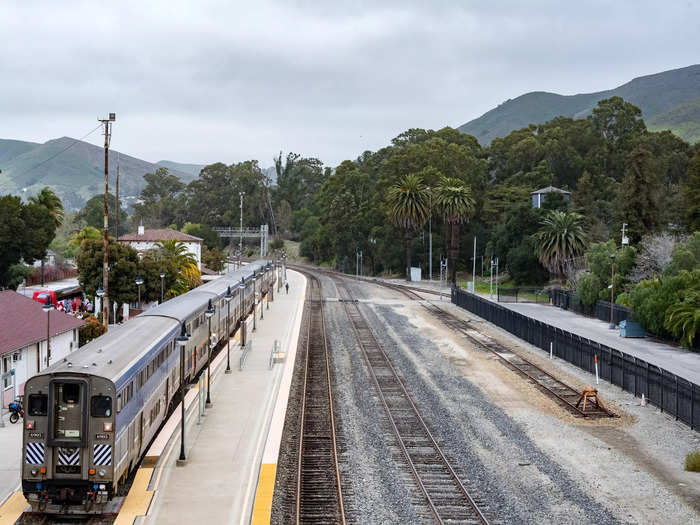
{"x": 692, "y": 461}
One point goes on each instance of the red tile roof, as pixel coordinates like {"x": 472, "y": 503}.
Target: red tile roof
{"x": 23, "y": 321}
{"x": 159, "y": 235}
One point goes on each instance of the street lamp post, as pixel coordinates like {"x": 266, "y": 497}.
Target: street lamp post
{"x": 430, "y": 233}
{"x": 101, "y": 293}
{"x": 228, "y": 298}
{"x": 243, "y": 329}
{"x": 48, "y": 306}
{"x": 181, "y": 341}
{"x": 612, "y": 289}
{"x": 240, "y": 231}
{"x": 139, "y": 282}
{"x": 254, "y": 300}
{"x": 262, "y": 297}
{"x": 271, "y": 290}
{"x": 209, "y": 313}
{"x": 162, "y": 287}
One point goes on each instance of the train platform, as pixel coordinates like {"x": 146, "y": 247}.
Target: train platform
{"x": 232, "y": 454}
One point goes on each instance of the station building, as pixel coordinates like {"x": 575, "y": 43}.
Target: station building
{"x": 144, "y": 240}
{"x": 23, "y": 348}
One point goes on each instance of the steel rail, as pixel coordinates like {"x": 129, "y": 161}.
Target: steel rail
{"x": 310, "y": 340}
{"x": 457, "y": 324}
{"x": 355, "y": 316}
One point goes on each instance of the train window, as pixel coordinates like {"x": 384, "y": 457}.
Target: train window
{"x": 101, "y": 406}
{"x": 71, "y": 393}
{"x": 38, "y": 404}
{"x": 119, "y": 403}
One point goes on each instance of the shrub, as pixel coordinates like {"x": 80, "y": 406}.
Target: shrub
{"x": 650, "y": 300}
{"x": 523, "y": 265}
{"x": 91, "y": 330}
{"x": 589, "y": 287}
{"x": 276, "y": 244}
{"x": 692, "y": 461}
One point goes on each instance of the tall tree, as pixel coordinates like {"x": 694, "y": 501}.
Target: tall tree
{"x": 691, "y": 194}
{"x": 561, "y": 237}
{"x": 616, "y": 120}
{"x": 408, "y": 209}
{"x": 92, "y": 214}
{"x": 160, "y": 199}
{"x": 298, "y": 179}
{"x": 454, "y": 201}
{"x": 639, "y": 195}
{"x": 49, "y": 200}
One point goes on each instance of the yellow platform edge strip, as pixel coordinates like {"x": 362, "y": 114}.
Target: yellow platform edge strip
{"x": 138, "y": 500}
{"x": 12, "y": 509}
{"x": 262, "y": 509}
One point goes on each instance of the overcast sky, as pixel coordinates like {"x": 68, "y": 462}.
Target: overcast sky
{"x": 206, "y": 81}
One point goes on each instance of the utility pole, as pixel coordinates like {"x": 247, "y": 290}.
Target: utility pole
{"x": 116, "y": 215}
{"x": 240, "y": 239}
{"x": 430, "y": 234}
{"x": 105, "y": 243}
{"x": 474, "y": 268}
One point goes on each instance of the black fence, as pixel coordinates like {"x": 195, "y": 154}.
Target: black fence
{"x": 670, "y": 393}
{"x": 600, "y": 310}
{"x": 523, "y": 295}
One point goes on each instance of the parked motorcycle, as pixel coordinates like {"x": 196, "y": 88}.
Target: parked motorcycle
{"x": 16, "y": 411}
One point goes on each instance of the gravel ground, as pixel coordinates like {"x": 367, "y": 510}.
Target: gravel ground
{"x": 636, "y": 462}
{"x": 502, "y": 463}
{"x": 529, "y": 459}
{"x": 379, "y": 492}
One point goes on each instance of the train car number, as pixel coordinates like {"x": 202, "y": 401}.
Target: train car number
{"x": 35, "y": 435}
{"x": 101, "y": 436}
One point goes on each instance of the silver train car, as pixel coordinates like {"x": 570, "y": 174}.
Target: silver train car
{"x": 90, "y": 417}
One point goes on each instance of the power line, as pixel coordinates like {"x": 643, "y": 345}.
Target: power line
{"x": 62, "y": 151}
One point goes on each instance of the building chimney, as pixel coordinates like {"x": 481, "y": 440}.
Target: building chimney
{"x": 140, "y": 230}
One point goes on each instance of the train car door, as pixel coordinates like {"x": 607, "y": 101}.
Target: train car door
{"x": 167, "y": 390}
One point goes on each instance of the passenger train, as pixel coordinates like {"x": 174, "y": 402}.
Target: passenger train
{"x": 90, "y": 417}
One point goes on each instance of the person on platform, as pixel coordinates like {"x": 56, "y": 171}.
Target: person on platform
{"x": 286, "y": 287}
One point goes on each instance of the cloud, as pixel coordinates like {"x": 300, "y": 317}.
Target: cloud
{"x": 207, "y": 81}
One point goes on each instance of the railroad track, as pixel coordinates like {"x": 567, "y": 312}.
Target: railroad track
{"x": 564, "y": 394}
{"x": 446, "y": 496}
{"x": 319, "y": 491}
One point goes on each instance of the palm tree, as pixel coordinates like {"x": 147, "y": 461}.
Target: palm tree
{"x": 683, "y": 320}
{"x": 408, "y": 209}
{"x": 185, "y": 262}
{"x": 453, "y": 198}
{"x": 51, "y": 202}
{"x": 560, "y": 238}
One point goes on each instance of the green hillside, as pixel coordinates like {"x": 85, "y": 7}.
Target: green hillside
{"x": 683, "y": 120}
{"x": 76, "y": 173}
{"x": 669, "y": 100}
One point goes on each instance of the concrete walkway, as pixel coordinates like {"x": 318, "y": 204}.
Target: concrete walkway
{"x": 10, "y": 457}
{"x": 674, "y": 359}
{"x": 218, "y": 483}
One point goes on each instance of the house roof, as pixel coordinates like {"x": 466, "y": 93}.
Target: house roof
{"x": 159, "y": 235}
{"x": 23, "y": 321}
{"x": 550, "y": 189}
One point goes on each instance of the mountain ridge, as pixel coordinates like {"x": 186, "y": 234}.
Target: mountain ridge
{"x": 74, "y": 169}
{"x": 666, "y": 100}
